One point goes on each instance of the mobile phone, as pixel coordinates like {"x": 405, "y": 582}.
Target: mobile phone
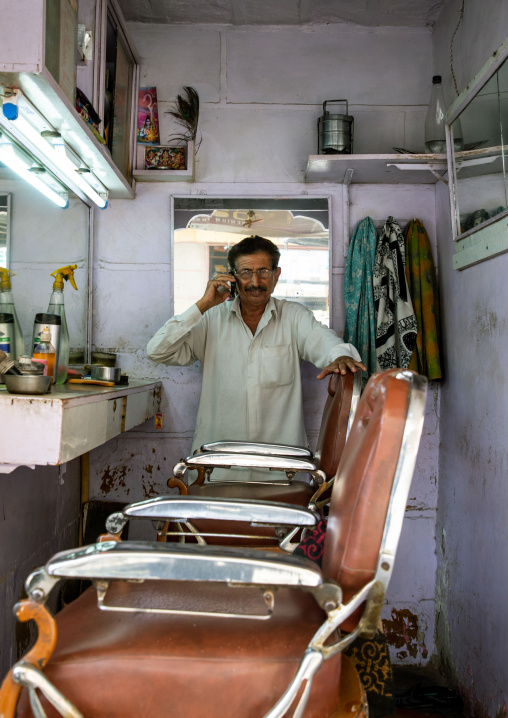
{"x": 232, "y": 288}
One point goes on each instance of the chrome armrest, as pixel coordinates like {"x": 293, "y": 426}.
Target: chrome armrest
{"x": 186, "y": 508}
{"x": 252, "y": 461}
{"x": 139, "y": 561}
{"x": 249, "y": 447}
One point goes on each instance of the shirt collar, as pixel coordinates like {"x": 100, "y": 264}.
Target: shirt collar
{"x": 235, "y": 307}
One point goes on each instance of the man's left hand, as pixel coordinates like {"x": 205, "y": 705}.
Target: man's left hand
{"x": 342, "y": 365}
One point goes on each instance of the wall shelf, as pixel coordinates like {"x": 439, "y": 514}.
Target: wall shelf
{"x": 186, "y": 175}
{"x": 376, "y": 169}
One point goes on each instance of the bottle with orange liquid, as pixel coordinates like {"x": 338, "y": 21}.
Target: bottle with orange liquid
{"x": 46, "y": 351}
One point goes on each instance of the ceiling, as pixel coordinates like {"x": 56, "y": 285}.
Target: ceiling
{"x": 412, "y": 13}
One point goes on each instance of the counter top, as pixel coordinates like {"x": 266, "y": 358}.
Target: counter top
{"x": 49, "y": 429}
{"x": 73, "y": 394}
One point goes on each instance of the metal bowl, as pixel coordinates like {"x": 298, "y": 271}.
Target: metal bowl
{"x": 106, "y": 373}
{"x": 27, "y": 384}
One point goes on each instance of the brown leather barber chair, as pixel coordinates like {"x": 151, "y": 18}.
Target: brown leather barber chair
{"x": 221, "y": 632}
{"x": 321, "y": 466}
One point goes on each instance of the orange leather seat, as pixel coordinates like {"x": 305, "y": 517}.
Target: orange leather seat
{"x": 175, "y": 666}
{"x": 209, "y": 663}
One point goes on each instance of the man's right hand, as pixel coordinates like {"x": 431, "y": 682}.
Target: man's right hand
{"x": 216, "y": 292}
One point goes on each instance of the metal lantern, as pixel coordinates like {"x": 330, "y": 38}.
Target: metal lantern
{"x": 335, "y": 132}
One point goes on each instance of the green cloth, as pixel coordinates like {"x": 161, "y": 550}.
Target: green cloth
{"x": 421, "y": 279}
{"x": 360, "y": 329}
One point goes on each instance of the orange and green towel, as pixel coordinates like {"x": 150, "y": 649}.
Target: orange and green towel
{"x": 421, "y": 279}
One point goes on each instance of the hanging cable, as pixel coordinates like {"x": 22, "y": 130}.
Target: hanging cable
{"x": 461, "y": 15}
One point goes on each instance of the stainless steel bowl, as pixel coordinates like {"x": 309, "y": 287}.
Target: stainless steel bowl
{"x": 27, "y": 384}
{"x": 106, "y": 373}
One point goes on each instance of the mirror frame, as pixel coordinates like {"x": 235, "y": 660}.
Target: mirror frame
{"x": 490, "y": 239}
{"x": 8, "y": 228}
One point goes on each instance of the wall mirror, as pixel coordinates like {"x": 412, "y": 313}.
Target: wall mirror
{"x": 205, "y": 228}
{"x": 5, "y": 202}
{"x": 41, "y": 237}
{"x": 479, "y": 163}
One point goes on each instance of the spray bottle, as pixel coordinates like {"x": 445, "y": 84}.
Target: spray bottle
{"x": 17, "y": 344}
{"x": 56, "y": 306}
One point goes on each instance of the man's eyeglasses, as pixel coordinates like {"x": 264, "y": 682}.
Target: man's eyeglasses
{"x": 247, "y": 273}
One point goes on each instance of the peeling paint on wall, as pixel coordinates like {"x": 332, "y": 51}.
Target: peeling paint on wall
{"x": 113, "y": 479}
{"x": 150, "y": 489}
{"x": 403, "y": 632}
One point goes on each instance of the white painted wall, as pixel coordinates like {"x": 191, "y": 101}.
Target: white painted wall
{"x": 262, "y": 91}
{"x": 472, "y": 532}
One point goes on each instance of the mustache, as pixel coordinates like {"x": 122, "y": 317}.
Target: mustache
{"x": 252, "y": 289}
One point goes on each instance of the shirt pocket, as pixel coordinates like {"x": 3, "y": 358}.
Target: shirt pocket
{"x": 277, "y": 368}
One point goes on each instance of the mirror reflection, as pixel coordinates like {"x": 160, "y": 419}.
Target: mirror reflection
{"x": 43, "y": 238}
{"x": 205, "y": 230}
{"x": 4, "y": 229}
{"x": 480, "y": 168}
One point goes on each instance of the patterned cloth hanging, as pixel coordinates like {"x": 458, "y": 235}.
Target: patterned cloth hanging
{"x": 360, "y": 329}
{"x": 421, "y": 279}
{"x": 396, "y": 326}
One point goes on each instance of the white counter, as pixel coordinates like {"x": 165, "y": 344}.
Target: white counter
{"x": 52, "y": 428}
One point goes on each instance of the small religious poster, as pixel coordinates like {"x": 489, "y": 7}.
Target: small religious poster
{"x": 164, "y": 158}
{"x": 148, "y": 116}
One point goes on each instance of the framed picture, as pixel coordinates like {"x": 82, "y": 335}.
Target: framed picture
{"x": 165, "y": 158}
{"x": 148, "y": 116}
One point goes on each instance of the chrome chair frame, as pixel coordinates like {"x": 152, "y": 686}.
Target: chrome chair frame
{"x": 237, "y": 568}
{"x": 257, "y": 455}
{"x": 286, "y": 519}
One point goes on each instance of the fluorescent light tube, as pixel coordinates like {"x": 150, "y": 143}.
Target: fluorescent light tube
{"x": 27, "y": 125}
{"x": 13, "y": 158}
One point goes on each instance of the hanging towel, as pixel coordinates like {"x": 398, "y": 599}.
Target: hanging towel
{"x": 421, "y": 279}
{"x": 360, "y": 329}
{"x": 396, "y": 325}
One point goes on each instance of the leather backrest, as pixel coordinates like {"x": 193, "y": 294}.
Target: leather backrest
{"x": 333, "y": 432}
{"x": 363, "y": 485}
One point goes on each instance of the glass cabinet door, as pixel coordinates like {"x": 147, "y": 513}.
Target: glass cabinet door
{"x": 118, "y": 79}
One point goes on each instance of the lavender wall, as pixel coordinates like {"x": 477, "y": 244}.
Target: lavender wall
{"x": 261, "y": 93}
{"x": 472, "y": 529}
{"x": 39, "y": 516}
{"x": 39, "y": 508}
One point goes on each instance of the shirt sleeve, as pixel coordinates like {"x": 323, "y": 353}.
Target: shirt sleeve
{"x": 319, "y": 344}
{"x": 179, "y": 342}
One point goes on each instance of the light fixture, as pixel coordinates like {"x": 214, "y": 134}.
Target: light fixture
{"x": 28, "y": 126}
{"x": 22, "y": 164}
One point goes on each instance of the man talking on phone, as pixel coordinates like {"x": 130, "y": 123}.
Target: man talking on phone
{"x": 251, "y": 350}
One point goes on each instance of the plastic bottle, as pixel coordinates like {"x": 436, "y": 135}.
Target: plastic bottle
{"x": 56, "y": 306}
{"x": 435, "y": 135}
{"x": 7, "y": 307}
{"x": 46, "y": 352}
